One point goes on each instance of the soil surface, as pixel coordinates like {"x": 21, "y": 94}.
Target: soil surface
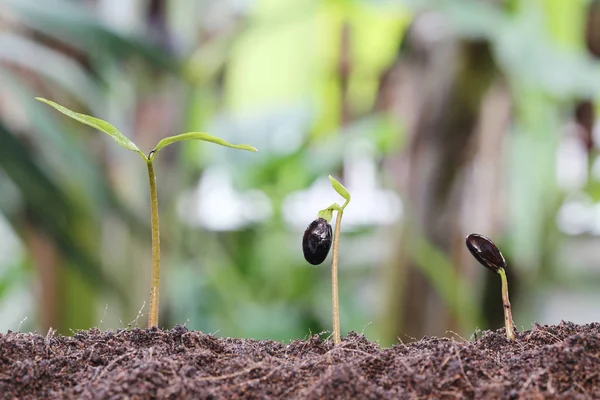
{"x": 559, "y": 361}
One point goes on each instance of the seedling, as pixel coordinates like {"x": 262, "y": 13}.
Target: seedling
{"x": 124, "y": 142}
{"x": 488, "y": 255}
{"x": 316, "y": 243}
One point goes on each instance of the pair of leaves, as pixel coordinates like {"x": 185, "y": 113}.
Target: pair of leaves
{"x": 327, "y": 213}
{"x": 124, "y": 142}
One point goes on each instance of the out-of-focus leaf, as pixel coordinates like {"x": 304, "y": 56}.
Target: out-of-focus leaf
{"x": 521, "y": 43}
{"x": 199, "y": 136}
{"x": 457, "y": 295}
{"x": 75, "y": 24}
{"x": 21, "y": 51}
{"x": 593, "y": 189}
{"x": 97, "y": 123}
{"x": 50, "y": 209}
{"x": 10, "y": 278}
{"x": 566, "y": 22}
{"x": 533, "y": 191}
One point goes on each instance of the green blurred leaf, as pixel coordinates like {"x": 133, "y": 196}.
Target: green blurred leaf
{"x": 50, "y": 209}
{"x": 565, "y": 22}
{"x": 78, "y": 25}
{"x": 199, "y": 136}
{"x": 9, "y": 278}
{"x": 339, "y": 188}
{"x": 96, "y": 123}
{"x": 50, "y": 64}
{"x": 451, "y": 287}
{"x": 592, "y": 188}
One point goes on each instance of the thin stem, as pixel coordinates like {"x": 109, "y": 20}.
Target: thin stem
{"x": 508, "y": 321}
{"x": 335, "y": 301}
{"x": 345, "y": 204}
{"x": 155, "y": 283}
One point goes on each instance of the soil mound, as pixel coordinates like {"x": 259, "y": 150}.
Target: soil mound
{"x": 558, "y": 361}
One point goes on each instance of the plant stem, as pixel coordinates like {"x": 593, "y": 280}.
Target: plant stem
{"x": 508, "y": 321}
{"x": 155, "y": 282}
{"x": 335, "y": 301}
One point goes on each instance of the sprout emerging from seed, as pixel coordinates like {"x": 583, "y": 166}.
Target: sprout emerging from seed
{"x": 316, "y": 243}
{"x": 488, "y": 255}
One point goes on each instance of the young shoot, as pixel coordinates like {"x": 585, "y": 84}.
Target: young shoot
{"x": 316, "y": 243}
{"x": 488, "y": 255}
{"x": 124, "y": 142}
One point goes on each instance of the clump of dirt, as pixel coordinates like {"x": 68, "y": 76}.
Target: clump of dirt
{"x": 560, "y": 361}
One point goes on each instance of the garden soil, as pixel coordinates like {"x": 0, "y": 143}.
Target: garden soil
{"x": 547, "y": 362}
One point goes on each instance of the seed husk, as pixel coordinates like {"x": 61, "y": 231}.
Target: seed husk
{"x": 316, "y": 241}
{"x": 485, "y": 251}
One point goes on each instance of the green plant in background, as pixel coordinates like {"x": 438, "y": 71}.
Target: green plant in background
{"x": 316, "y": 243}
{"x": 124, "y": 142}
{"x": 488, "y": 255}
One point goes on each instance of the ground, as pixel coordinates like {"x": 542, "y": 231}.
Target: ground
{"x": 559, "y": 361}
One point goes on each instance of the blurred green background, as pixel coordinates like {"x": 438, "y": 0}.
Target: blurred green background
{"x": 442, "y": 118}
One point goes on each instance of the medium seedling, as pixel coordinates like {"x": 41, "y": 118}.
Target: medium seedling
{"x": 488, "y": 255}
{"x": 316, "y": 243}
{"x": 124, "y": 142}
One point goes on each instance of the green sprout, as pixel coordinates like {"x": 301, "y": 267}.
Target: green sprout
{"x": 124, "y": 142}
{"x": 488, "y": 255}
{"x": 316, "y": 243}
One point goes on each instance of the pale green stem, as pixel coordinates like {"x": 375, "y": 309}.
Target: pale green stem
{"x": 155, "y": 282}
{"x": 335, "y": 301}
{"x": 508, "y": 321}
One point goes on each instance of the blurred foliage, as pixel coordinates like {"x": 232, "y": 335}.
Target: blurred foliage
{"x": 297, "y": 79}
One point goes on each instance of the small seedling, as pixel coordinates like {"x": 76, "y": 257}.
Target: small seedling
{"x": 488, "y": 255}
{"x": 316, "y": 243}
{"x": 123, "y": 141}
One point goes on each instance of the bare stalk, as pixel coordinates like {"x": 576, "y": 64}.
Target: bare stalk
{"x": 155, "y": 283}
{"x": 508, "y": 320}
{"x": 335, "y": 301}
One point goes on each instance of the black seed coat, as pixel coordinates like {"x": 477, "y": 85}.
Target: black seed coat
{"x": 316, "y": 241}
{"x": 485, "y": 251}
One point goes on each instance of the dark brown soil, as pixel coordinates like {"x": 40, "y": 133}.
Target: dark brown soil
{"x": 561, "y": 361}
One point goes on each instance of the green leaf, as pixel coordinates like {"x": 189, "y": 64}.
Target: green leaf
{"x": 339, "y": 188}
{"x": 327, "y": 213}
{"x": 199, "y": 136}
{"x": 96, "y": 123}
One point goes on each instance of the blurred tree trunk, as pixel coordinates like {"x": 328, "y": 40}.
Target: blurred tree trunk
{"x": 66, "y": 300}
{"x": 46, "y": 261}
{"x": 584, "y": 109}
{"x": 445, "y": 80}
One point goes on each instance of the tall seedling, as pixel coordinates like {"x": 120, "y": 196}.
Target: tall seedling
{"x": 124, "y": 142}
